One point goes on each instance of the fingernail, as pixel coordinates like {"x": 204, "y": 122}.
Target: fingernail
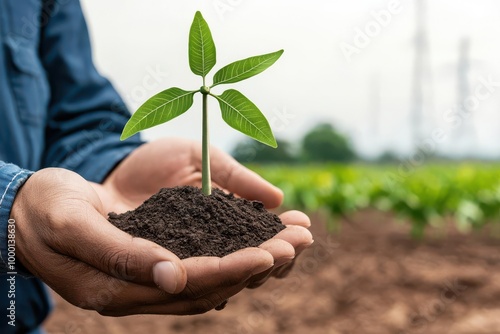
{"x": 165, "y": 276}
{"x": 262, "y": 268}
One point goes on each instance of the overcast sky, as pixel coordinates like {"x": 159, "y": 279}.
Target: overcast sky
{"x": 339, "y": 56}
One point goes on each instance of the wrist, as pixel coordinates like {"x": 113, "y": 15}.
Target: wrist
{"x": 12, "y": 178}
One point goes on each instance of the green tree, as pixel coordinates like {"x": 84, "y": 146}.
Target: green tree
{"x": 388, "y": 157}
{"x": 253, "y": 151}
{"x": 323, "y": 143}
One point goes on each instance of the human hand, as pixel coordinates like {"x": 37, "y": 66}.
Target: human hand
{"x": 63, "y": 237}
{"x": 173, "y": 162}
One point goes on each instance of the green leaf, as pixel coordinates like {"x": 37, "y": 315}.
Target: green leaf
{"x": 241, "y": 114}
{"x": 245, "y": 68}
{"x": 202, "y": 53}
{"x": 159, "y": 109}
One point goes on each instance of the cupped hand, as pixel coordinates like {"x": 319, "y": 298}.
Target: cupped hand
{"x": 173, "y": 162}
{"x": 63, "y": 237}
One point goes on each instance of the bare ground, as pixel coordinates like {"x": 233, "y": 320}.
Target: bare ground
{"x": 369, "y": 277}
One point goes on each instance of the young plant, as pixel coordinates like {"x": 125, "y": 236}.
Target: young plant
{"x": 237, "y": 110}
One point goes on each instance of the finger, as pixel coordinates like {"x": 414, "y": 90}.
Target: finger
{"x": 206, "y": 274}
{"x": 282, "y": 253}
{"x": 188, "y": 307}
{"x": 231, "y": 175}
{"x": 281, "y": 250}
{"x": 297, "y": 236}
{"x": 295, "y": 217}
{"x": 90, "y": 288}
{"x": 115, "y": 252}
{"x": 212, "y": 280}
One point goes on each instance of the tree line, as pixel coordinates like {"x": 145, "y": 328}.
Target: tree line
{"x": 323, "y": 143}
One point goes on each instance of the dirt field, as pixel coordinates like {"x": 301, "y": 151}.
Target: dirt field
{"x": 371, "y": 277}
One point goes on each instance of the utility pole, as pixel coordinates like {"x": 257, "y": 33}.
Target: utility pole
{"x": 374, "y": 113}
{"x": 421, "y": 87}
{"x": 375, "y": 106}
{"x": 465, "y": 135}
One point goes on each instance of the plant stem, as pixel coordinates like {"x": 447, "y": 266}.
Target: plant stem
{"x": 206, "y": 184}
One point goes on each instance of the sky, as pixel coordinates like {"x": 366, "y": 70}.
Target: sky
{"x": 350, "y": 63}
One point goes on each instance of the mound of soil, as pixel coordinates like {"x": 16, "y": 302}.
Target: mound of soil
{"x": 188, "y": 223}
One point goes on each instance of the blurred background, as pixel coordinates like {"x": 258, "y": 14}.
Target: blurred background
{"x": 387, "y": 115}
{"x": 385, "y": 73}
{"x": 406, "y": 93}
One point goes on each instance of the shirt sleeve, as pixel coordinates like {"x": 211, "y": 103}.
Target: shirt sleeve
{"x": 11, "y": 179}
{"x": 86, "y": 114}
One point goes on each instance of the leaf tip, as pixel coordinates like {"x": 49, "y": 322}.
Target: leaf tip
{"x": 280, "y": 53}
{"x": 124, "y": 136}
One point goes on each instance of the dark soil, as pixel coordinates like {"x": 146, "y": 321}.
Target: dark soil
{"x": 188, "y": 223}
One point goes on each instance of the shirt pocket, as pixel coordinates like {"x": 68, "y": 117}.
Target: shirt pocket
{"x": 28, "y": 81}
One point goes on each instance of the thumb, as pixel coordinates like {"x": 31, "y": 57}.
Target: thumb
{"x": 118, "y": 254}
{"x": 236, "y": 178}
{"x": 59, "y": 213}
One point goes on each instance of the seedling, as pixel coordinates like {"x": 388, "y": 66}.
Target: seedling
{"x": 237, "y": 110}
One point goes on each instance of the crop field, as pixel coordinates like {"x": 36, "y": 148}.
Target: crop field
{"x": 467, "y": 193}
{"x": 372, "y": 269}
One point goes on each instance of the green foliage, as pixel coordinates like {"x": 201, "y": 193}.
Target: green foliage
{"x": 237, "y": 110}
{"x": 387, "y": 158}
{"x": 324, "y": 144}
{"x": 252, "y": 151}
{"x": 468, "y": 194}
{"x": 246, "y": 68}
{"x": 202, "y": 54}
{"x": 241, "y": 114}
{"x": 321, "y": 144}
{"x": 160, "y": 108}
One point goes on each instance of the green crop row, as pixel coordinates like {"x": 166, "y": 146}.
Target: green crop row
{"x": 467, "y": 193}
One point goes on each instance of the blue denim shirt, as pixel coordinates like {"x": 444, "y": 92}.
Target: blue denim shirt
{"x": 55, "y": 110}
